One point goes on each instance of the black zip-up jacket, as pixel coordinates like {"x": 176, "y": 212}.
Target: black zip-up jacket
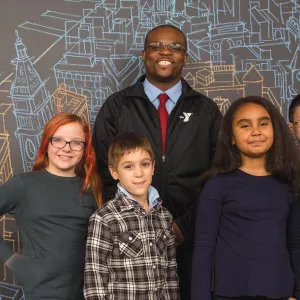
{"x": 192, "y": 132}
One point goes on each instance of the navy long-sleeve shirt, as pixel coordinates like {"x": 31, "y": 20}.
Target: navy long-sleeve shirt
{"x": 240, "y": 241}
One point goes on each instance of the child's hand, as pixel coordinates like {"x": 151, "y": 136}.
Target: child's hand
{"x": 178, "y": 234}
{"x": 15, "y": 260}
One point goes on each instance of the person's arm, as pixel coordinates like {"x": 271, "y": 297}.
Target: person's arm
{"x": 11, "y": 193}
{"x": 186, "y": 223}
{"x": 105, "y": 129}
{"x": 98, "y": 250}
{"x": 293, "y": 243}
{"x": 207, "y": 225}
{"x": 171, "y": 287}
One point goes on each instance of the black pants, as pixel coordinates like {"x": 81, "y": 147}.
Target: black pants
{"x": 247, "y": 298}
{"x": 184, "y": 269}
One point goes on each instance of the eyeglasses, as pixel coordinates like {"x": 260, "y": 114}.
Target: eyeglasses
{"x": 158, "y": 46}
{"x": 60, "y": 143}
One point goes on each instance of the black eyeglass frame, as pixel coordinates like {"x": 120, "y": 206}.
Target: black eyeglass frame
{"x": 161, "y": 46}
{"x": 66, "y": 143}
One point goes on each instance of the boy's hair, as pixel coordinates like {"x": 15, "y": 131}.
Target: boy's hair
{"x": 294, "y": 104}
{"x": 127, "y": 142}
{"x": 282, "y": 159}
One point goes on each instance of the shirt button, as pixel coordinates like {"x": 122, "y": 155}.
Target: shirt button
{"x": 130, "y": 238}
{"x": 154, "y": 266}
{"x": 150, "y": 244}
{"x": 164, "y": 236}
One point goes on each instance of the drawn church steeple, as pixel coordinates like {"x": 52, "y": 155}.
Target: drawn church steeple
{"x": 32, "y": 105}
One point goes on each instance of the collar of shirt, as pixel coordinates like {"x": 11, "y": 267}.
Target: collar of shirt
{"x": 173, "y": 93}
{"x": 153, "y": 196}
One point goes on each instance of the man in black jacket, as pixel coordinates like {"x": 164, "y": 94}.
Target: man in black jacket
{"x": 192, "y": 126}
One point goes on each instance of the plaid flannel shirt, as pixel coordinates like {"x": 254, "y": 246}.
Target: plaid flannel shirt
{"x": 130, "y": 254}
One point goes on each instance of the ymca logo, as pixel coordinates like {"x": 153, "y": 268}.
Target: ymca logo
{"x": 186, "y": 116}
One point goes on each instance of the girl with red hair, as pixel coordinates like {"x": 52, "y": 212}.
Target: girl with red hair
{"x": 52, "y": 205}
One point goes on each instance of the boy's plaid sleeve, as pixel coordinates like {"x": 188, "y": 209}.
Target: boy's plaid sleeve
{"x": 171, "y": 287}
{"x": 98, "y": 249}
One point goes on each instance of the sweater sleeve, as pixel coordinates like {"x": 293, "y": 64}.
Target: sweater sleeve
{"x": 105, "y": 129}
{"x": 294, "y": 243}
{"x": 207, "y": 225}
{"x": 11, "y": 193}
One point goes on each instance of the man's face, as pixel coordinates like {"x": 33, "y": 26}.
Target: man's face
{"x": 295, "y": 125}
{"x": 164, "y": 65}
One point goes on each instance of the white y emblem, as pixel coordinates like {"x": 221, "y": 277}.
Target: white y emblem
{"x": 186, "y": 116}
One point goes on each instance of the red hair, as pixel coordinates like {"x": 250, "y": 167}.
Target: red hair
{"x": 86, "y": 168}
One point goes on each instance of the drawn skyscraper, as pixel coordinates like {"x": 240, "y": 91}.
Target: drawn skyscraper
{"x": 224, "y": 8}
{"x": 32, "y": 105}
{"x": 293, "y": 24}
{"x": 295, "y": 69}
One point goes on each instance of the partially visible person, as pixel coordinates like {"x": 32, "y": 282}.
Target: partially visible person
{"x": 182, "y": 126}
{"x": 294, "y": 219}
{"x": 241, "y": 222}
{"x": 52, "y": 205}
{"x": 294, "y": 118}
{"x": 130, "y": 252}
{"x": 294, "y": 244}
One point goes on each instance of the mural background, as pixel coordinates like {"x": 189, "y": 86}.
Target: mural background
{"x": 71, "y": 55}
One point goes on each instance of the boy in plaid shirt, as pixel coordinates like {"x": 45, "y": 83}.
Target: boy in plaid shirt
{"x": 130, "y": 251}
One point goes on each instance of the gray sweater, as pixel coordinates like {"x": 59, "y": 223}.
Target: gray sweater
{"x": 52, "y": 217}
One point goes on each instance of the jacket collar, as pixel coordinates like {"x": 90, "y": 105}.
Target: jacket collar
{"x": 138, "y": 89}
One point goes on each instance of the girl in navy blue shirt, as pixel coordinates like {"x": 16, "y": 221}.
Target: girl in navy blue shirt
{"x": 240, "y": 240}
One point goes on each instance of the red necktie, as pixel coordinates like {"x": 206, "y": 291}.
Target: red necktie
{"x": 163, "y": 117}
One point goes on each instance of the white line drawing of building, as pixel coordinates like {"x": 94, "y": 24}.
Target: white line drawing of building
{"x": 32, "y": 104}
{"x": 93, "y": 64}
{"x": 293, "y": 23}
{"x": 11, "y": 292}
{"x": 103, "y": 45}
